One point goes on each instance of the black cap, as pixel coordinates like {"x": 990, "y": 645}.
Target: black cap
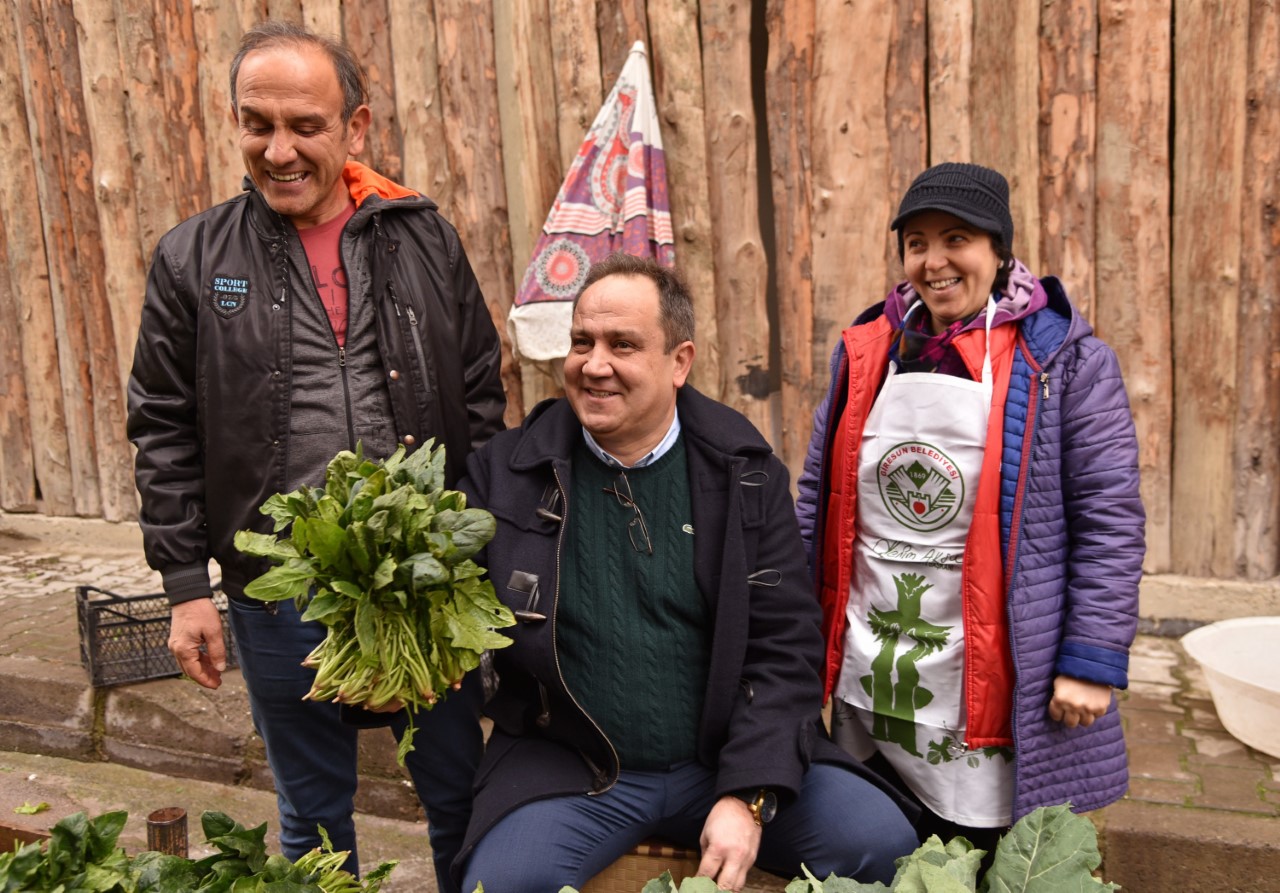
{"x": 977, "y": 195}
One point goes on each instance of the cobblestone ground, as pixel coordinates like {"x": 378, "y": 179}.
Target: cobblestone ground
{"x": 1179, "y": 752}
{"x": 38, "y": 596}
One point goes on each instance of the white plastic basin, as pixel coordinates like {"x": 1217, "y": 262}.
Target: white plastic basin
{"x": 1241, "y": 661}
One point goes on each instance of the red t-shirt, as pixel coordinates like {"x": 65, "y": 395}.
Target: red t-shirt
{"x": 321, "y": 244}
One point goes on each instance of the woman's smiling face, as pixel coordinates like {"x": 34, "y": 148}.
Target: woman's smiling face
{"x": 951, "y": 264}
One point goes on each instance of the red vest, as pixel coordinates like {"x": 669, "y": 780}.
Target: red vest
{"x": 988, "y": 670}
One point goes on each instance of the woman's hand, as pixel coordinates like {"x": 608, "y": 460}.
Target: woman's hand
{"x": 1078, "y": 703}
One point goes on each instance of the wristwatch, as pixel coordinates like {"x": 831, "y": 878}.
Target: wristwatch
{"x": 762, "y": 803}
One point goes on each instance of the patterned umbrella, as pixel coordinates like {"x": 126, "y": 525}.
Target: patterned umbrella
{"x": 614, "y": 198}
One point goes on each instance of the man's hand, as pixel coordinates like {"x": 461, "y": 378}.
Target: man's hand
{"x": 1078, "y": 703}
{"x": 730, "y": 841}
{"x": 193, "y": 624}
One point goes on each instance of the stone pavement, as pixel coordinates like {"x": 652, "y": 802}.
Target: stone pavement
{"x": 1203, "y": 812}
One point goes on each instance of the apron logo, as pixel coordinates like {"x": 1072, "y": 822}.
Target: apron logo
{"x": 229, "y": 295}
{"x": 920, "y": 485}
{"x": 894, "y": 701}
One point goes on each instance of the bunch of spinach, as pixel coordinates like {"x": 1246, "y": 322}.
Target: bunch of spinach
{"x": 381, "y": 555}
{"x": 242, "y": 865}
{"x": 81, "y": 856}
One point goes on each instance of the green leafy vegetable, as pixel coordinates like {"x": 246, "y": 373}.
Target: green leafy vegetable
{"x": 1051, "y": 850}
{"x": 82, "y": 857}
{"x": 381, "y": 555}
{"x": 29, "y": 808}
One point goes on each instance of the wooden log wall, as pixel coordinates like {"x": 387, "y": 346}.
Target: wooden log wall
{"x": 1142, "y": 160}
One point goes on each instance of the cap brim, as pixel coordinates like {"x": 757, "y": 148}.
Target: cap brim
{"x": 968, "y": 215}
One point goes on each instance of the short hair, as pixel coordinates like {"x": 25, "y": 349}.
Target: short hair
{"x": 272, "y": 33}
{"x": 675, "y": 305}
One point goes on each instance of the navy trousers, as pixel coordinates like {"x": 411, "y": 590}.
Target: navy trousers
{"x": 312, "y": 752}
{"x": 839, "y": 823}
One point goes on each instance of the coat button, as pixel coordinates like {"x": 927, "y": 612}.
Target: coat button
{"x": 394, "y": 375}
{"x": 409, "y": 440}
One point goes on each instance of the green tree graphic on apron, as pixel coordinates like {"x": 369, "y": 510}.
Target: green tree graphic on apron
{"x": 894, "y": 704}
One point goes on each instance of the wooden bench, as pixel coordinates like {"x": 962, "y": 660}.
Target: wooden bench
{"x": 645, "y": 862}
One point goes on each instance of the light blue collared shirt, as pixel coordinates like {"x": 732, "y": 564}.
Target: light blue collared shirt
{"x": 663, "y": 447}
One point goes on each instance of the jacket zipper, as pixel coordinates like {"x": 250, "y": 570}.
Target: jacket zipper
{"x": 599, "y": 773}
{"x": 1015, "y": 543}
{"x": 413, "y": 329}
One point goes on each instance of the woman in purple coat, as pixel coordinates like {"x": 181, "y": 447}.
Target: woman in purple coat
{"x": 970, "y": 505}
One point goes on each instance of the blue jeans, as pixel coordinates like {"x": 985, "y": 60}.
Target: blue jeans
{"x": 839, "y": 823}
{"x": 312, "y": 752}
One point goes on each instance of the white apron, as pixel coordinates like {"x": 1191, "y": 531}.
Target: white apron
{"x": 902, "y": 676}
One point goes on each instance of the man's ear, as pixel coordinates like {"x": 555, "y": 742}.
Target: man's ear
{"x": 357, "y": 127}
{"x": 684, "y": 362}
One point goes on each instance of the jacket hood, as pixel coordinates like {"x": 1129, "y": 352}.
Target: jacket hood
{"x": 364, "y": 182}
{"x": 549, "y": 431}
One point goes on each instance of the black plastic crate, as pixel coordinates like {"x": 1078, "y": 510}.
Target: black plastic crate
{"x": 125, "y": 638}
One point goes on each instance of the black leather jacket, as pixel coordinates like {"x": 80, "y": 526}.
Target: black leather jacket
{"x": 209, "y": 394}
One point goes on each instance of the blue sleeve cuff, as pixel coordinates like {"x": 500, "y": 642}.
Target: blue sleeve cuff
{"x": 1093, "y": 664}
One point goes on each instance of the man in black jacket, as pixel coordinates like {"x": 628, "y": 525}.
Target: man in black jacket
{"x": 324, "y": 307}
{"x": 663, "y": 677}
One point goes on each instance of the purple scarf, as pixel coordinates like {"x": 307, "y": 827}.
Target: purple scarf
{"x": 917, "y": 349}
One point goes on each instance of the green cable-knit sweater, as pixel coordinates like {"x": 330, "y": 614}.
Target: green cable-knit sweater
{"x": 632, "y": 628}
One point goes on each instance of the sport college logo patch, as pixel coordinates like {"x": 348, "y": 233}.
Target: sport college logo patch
{"x": 229, "y": 295}
{"x": 920, "y": 485}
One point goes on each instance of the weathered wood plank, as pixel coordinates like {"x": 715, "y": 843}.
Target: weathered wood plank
{"x": 1005, "y": 104}
{"x": 789, "y": 103}
{"x": 218, "y": 28}
{"x": 621, "y": 23}
{"x": 469, "y": 102}
{"x": 417, "y": 91}
{"x": 530, "y": 145}
{"x": 1068, "y": 103}
{"x": 116, "y": 196}
{"x": 851, "y": 202}
{"x": 677, "y": 65}
{"x": 184, "y": 118}
{"x": 368, "y": 35}
{"x": 323, "y": 17}
{"x": 741, "y": 268}
{"x": 85, "y": 294}
{"x": 285, "y": 10}
{"x": 53, "y": 187}
{"x": 21, "y": 217}
{"x": 906, "y": 123}
{"x": 17, "y": 471}
{"x": 1209, "y": 95}
{"x": 253, "y": 11}
{"x": 575, "y": 53}
{"x": 1257, "y": 460}
{"x": 526, "y": 108}
{"x": 950, "y": 80}
{"x": 148, "y": 119}
{"x": 1133, "y": 257}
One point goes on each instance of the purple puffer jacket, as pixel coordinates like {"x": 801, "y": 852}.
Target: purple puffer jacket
{"x": 1069, "y": 505}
